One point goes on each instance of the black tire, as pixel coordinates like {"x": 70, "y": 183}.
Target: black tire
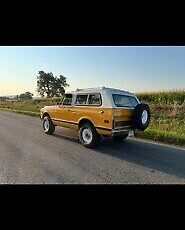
{"x": 48, "y": 126}
{"x": 120, "y": 138}
{"x": 138, "y": 121}
{"x": 92, "y": 137}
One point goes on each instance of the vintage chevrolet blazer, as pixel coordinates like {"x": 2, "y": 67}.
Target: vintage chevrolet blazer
{"x": 97, "y": 112}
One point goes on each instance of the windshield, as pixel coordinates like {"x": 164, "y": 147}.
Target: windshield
{"x": 124, "y": 101}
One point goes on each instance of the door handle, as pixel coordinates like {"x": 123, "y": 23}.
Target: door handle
{"x": 101, "y": 112}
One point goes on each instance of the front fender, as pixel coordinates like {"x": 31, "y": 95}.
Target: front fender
{"x": 43, "y": 113}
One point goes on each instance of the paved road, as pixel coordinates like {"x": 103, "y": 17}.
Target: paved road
{"x": 27, "y": 155}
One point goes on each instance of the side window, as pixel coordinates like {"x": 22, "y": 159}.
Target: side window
{"x": 67, "y": 99}
{"x": 81, "y": 99}
{"x": 123, "y": 101}
{"x": 94, "y": 99}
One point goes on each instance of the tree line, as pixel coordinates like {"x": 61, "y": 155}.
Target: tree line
{"x": 48, "y": 86}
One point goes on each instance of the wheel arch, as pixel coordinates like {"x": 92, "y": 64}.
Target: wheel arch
{"x": 84, "y": 120}
{"x": 45, "y": 114}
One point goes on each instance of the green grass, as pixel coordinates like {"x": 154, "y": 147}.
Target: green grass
{"x": 162, "y": 136}
{"x": 30, "y": 113}
{"x": 33, "y": 106}
{"x": 167, "y": 114}
{"x": 167, "y": 117}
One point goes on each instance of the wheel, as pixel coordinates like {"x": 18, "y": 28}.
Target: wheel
{"x": 120, "y": 138}
{"x": 88, "y": 135}
{"x": 49, "y": 127}
{"x": 141, "y": 116}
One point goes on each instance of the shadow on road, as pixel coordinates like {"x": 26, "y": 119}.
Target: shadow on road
{"x": 67, "y": 138}
{"x": 157, "y": 157}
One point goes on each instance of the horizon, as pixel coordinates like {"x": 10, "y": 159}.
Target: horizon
{"x": 144, "y": 92}
{"x": 135, "y": 69}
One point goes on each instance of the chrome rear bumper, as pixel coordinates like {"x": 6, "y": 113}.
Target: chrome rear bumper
{"x": 122, "y": 132}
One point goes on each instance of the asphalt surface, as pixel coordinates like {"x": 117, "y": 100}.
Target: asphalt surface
{"x": 28, "y": 155}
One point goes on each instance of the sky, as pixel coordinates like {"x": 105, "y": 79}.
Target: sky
{"x": 135, "y": 69}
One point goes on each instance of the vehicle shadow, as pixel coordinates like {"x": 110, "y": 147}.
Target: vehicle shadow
{"x": 166, "y": 159}
{"x": 67, "y": 138}
{"x": 156, "y": 157}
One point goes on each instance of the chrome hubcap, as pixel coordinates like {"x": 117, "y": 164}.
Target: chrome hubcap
{"x": 87, "y": 135}
{"x": 46, "y": 125}
{"x": 144, "y": 117}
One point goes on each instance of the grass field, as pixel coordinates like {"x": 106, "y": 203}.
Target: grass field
{"x": 167, "y": 114}
{"x": 167, "y": 117}
{"x": 34, "y": 105}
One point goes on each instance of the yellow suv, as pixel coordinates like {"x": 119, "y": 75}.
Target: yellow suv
{"x": 97, "y": 112}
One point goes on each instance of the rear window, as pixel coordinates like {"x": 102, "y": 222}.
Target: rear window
{"x": 124, "y": 101}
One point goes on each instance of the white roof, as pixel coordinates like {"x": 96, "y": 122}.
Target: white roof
{"x": 98, "y": 89}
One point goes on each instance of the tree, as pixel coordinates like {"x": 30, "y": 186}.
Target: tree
{"x": 26, "y": 96}
{"x": 51, "y": 86}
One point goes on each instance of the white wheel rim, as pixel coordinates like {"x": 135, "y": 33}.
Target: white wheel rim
{"x": 144, "y": 117}
{"x": 87, "y": 135}
{"x": 46, "y": 125}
